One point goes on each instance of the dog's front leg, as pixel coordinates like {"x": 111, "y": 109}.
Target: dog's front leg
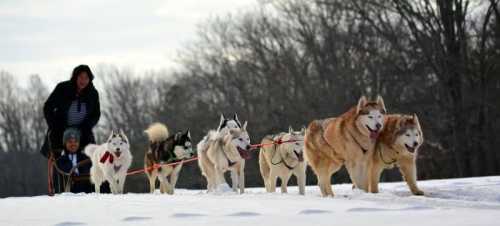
{"x": 235, "y": 179}
{"x": 219, "y": 176}
{"x": 152, "y": 180}
{"x": 108, "y": 176}
{"x": 284, "y": 182}
{"x": 409, "y": 170}
{"x": 121, "y": 182}
{"x": 173, "y": 178}
{"x": 164, "y": 184}
{"x": 374, "y": 170}
{"x": 301, "y": 178}
{"x": 97, "y": 188}
{"x": 242, "y": 177}
{"x": 272, "y": 180}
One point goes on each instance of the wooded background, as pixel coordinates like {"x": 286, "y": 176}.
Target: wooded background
{"x": 286, "y": 63}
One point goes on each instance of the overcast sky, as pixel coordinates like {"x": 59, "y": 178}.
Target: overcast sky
{"x": 50, "y": 37}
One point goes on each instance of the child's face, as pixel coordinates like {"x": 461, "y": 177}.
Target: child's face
{"x": 72, "y": 145}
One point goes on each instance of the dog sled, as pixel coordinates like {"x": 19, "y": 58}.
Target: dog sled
{"x": 61, "y": 181}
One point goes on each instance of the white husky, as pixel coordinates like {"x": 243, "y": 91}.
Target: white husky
{"x": 226, "y": 151}
{"x": 110, "y": 162}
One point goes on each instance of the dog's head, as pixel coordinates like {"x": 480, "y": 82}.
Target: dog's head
{"x": 183, "y": 148}
{"x": 118, "y": 143}
{"x": 370, "y": 116}
{"x": 229, "y": 123}
{"x": 294, "y": 150}
{"x": 408, "y": 134}
{"x": 239, "y": 141}
{"x": 176, "y": 147}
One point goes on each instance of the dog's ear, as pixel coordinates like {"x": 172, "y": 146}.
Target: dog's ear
{"x": 303, "y": 130}
{"x": 123, "y": 136}
{"x": 188, "y": 133}
{"x": 245, "y": 126}
{"x": 361, "y": 103}
{"x": 236, "y": 119}
{"x": 380, "y": 102}
{"x": 222, "y": 119}
{"x": 290, "y": 129}
{"x": 416, "y": 121}
{"x": 111, "y": 135}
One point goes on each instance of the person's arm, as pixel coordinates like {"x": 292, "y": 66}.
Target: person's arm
{"x": 50, "y": 106}
{"x": 93, "y": 117}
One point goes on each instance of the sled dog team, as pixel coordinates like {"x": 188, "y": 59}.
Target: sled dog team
{"x": 364, "y": 139}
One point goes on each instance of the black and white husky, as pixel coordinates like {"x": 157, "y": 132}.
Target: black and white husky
{"x": 110, "y": 162}
{"x": 229, "y": 123}
{"x": 168, "y": 151}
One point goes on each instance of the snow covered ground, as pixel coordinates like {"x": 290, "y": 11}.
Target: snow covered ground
{"x": 468, "y": 201}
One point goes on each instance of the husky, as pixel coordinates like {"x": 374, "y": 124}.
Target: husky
{"x": 164, "y": 150}
{"x": 224, "y": 124}
{"x": 283, "y": 159}
{"x": 110, "y": 162}
{"x": 229, "y": 123}
{"x": 226, "y": 150}
{"x": 397, "y": 146}
{"x": 345, "y": 140}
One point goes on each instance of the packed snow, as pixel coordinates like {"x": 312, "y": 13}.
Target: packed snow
{"x": 467, "y": 201}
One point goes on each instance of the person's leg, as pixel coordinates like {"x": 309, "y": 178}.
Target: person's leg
{"x": 105, "y": 187}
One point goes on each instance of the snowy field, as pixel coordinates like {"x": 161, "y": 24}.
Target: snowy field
{"x": 468, "y": 201}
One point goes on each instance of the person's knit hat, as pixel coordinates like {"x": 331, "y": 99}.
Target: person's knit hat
{"x": 71, "y": 133}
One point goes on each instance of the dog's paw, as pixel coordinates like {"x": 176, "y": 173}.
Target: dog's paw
{"x": 418, "y": 192}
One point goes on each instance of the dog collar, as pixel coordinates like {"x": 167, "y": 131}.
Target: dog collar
{"x": 357, "y": 142}
{"x": 107, "y": 157}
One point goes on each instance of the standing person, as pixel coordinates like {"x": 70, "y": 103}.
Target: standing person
{"x": 73, "y": 103}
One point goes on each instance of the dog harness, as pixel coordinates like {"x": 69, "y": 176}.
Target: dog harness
{"x": 383, "y": 160}
{"x": 279, "y": 142}
{"x": 360, "y": 146}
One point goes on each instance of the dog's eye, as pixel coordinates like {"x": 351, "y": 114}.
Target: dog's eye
{"x": 370, "y": 117}
{"x": 380, "y": 116}
{"x": 241, "y": 139}
{"x": 408, "y": 135}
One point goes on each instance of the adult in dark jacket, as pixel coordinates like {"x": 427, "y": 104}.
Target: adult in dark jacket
{"x": 73, "y": 103}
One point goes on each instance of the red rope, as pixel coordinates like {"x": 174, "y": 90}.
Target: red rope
{"x": 157, "y": 166}
{"x": 255, "y": 146}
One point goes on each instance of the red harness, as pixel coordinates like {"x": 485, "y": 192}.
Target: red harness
{"x": 107, "y": 157}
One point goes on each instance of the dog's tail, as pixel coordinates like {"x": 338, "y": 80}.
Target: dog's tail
{"x": 90, "y": 149}
{"x": 157, "y": 132}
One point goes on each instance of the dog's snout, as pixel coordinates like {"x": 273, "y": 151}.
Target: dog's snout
{"x": 415, "y": 144}
{"x": 117, "y": 149}
{"x": 249, "y": 147}
{"x": 379, "y": 126}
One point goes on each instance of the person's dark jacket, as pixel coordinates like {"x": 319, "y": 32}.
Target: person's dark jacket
{"x": 81, "y": 184}
{"x": 56, "y": 113}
